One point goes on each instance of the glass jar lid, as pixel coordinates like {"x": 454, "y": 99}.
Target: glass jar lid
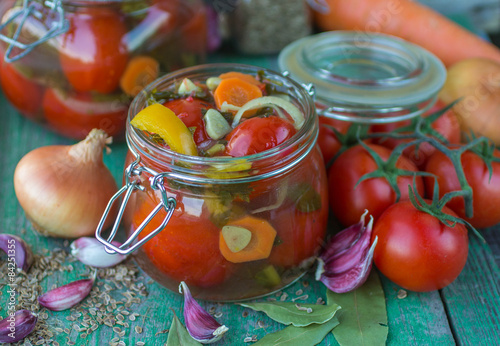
{"x": 365, "y": 77}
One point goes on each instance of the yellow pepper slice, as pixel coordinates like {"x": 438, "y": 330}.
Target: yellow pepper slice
{"x": 159, "y": 119}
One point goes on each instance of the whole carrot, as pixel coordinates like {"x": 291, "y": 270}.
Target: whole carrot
{"x": 411, "y": 21}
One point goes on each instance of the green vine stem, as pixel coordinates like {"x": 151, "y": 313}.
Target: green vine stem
{"x": 435, "y": 208}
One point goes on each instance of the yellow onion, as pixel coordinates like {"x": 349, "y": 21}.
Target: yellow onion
{"x": 475, "y": 82}
{"x": 64, "y": 189}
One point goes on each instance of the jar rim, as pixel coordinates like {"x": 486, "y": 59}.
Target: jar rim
{"x": 371, "y": 73}
{"x": 296, "y": 145}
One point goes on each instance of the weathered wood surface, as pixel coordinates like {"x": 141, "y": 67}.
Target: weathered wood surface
{"x": 466, "y": 313}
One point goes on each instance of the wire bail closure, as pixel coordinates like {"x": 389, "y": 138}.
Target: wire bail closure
{"x": 59, "y": 26}
{"x": 167, "y": 203}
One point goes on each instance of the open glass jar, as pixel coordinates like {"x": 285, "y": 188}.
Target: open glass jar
{"x": 75, "y": 65}
{"x": 178, "y": 206}
{"x": 365, "y": 78}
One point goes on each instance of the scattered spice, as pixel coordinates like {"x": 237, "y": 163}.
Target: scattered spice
{"x": 402, "y": 294}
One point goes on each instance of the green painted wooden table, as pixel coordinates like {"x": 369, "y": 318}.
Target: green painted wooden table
{"x": 467, "y": 312}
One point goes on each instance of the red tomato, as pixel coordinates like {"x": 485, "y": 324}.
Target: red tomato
{"x": 76, "y": 115}
{"x": 93, "y": 53}
{"x": 446, "y": 125}
{"x": 257, "y": 134}
{"x": 25, "y": 95}
{"x": 417, "y": 251}
{"x": 375, "y": 194}
{"x": 327, "y": 139}
{"x": 194, "y": 30}
{"x": 486, "y": 192}
{"x": 189, "y": 110}
{"x": 187, "y": 249}
{"x": 300, "y": 233}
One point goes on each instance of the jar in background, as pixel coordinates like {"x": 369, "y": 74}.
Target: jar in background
{"x": 75, "y": 65}
{"x": 283, "y": 188}
{"x": 365, "y": 78}
{"x": 266, "y": 26}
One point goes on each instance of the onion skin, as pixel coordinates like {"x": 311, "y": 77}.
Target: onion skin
{"x": 64, "y": 190}
{"x": 477, "y": 82}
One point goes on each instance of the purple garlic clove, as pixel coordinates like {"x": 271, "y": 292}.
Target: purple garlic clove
{"x": 200, "y": 324}
{"x": 17, "y": 250}
{"x": 91, "y": 252}
{"x": 16, "y": 326}
{"x": 345, "y": 265}
{"x": 67, "y": 296}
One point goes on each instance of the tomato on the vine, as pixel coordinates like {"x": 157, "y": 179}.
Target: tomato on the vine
{"x": 486, "y": 190}
{"x": 93, "y": 53}
{"x": 257, "y": 134}
{"x": 446, "y": 125}
{"x": 348, "y": 200}
{"x": 417, "y": 251}
{"x": 190, "y": 111}
{"x": 327, "y": 139}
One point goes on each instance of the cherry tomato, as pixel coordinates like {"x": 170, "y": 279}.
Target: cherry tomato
{"x": 446, "y": 125}
{"x": 327, "y": 139}
{"x": 257, "y": 134}
{"x": 486, "y": 191}
{"x": 25, "y": 95}
{"x": 189, "y": 110}
{"x": 93, "y": 52}
{"x": 76, "y": 115}
{"x": 417, "y": 251}
{"x": 187, "y": 249}
{"x": 348, "y": 201}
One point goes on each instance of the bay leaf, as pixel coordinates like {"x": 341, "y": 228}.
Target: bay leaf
{"x": 178, "y": 335}
{"x": 303, "y": 336}
{"x": 288, "y": 312}
{"x": 363, "y": 318}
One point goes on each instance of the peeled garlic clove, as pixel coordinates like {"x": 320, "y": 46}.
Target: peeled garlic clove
{"x": 17, "y": 326}
{"x": 200, "y": 324}
{"x": 17, "y": 250}
{"x": 67, "y": 296}
{"x": 91, "y": 252}
{"x": 347, "y": 268}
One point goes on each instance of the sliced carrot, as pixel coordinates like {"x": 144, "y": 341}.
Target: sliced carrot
{"x": 140, "y": 71}
{"x": 260, "y": 244}
{"x": 246, "y": 77}
{"x": 236, "y": 92}
{"x": 409, "y": 20}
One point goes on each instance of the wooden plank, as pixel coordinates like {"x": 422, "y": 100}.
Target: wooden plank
{"x": 473, "y": 300}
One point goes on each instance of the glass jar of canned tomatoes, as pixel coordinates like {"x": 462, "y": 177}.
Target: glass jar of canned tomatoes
{"x": 225, "y": 186}
{"x": 75, "y": 65}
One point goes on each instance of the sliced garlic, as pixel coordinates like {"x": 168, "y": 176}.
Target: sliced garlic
{"x": 200, "y": 324}
{"x": 91, "y": 252}
{"x": 346, "y": 262}
{"x": 187, "y": 87}
{"x": 213, "y": 82}
{"x": 17, "y": 249}
{"x": 17, "y": 326}
{"x": 215, "y": 124}
{"x": 67, "y": 296}
{"x": 236, "y": 238}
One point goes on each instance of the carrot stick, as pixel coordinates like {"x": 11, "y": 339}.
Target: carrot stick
{"x": 246, "y": 77}
{"x": 411, "y": 21}
{"x": 235, "y": 91}
{"x": 258, "y": 247}
{"x": 140, "y": 71}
